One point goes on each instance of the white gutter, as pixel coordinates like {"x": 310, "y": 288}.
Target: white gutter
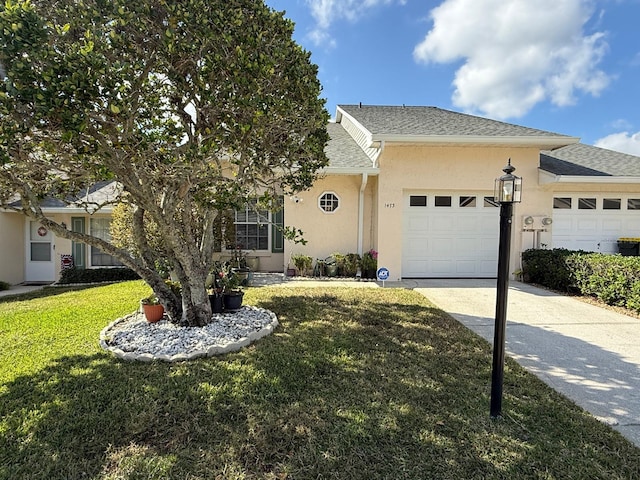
{"x": 380, "y": 150}
{"x": 63, "y": 210}
{"x": 363, "y": 185}
{"x": 546, "y": 178}
{"x": 350, "y": 171}
{"x": 543, "y": 141}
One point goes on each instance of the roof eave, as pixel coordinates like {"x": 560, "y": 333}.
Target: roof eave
{"x": 350, "y": 170}
{"x": 545, "y": 142}
{"x": 66, "y": 210}
{"x": 545, "y": 178}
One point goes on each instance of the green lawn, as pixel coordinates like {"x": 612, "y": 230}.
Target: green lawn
{"x": 354, "y": 384}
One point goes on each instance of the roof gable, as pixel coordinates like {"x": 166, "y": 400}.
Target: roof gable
{"x": 343, "y": 151}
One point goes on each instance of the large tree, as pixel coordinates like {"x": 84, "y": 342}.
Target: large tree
{"x": 191, "y": 106}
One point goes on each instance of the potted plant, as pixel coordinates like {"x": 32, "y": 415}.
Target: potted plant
{"x": 303, "y": 263}
{"x": 369, "y": 264}
{"x": 215, "y": 289}
{"x": 253, "y": 263}
{"x": 239, "y": 265}
{"x": 232, "y": 293}
{"x": 330, "y": 266}
{"x": 339, "y": 259}
{"x": 152, "y": 308}
{"x": 351, "y": 264}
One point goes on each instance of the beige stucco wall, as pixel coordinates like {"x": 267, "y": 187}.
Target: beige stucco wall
{"x": 327, "y": 233}
{"x": 404, "y": 167}
{"x": 12, "y": 247}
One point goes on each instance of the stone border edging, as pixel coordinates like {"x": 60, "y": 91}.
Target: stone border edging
{"x": 217, "y": 349}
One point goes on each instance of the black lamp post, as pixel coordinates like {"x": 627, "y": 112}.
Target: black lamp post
{"x": 508, "y": 190}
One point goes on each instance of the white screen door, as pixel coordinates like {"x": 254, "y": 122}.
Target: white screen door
{"x": 39, "y": 265}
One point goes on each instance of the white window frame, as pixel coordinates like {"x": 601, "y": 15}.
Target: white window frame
{"x": 105, "y": 236}
{"x": 260, "y": 220}
{"x": 321, "y": 202}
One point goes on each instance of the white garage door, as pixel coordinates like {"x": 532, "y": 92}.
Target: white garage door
{"x": 594, "y": 222}
{"x": 450, "y": 235}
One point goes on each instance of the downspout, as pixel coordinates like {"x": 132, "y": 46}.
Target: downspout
{"x": 363, "y": 186}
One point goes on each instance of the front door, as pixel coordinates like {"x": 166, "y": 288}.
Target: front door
{"x": 39, "y": 251}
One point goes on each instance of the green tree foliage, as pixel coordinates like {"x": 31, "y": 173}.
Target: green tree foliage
{"x": 191, "y": 106}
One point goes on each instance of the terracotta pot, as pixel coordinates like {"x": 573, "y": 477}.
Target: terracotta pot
{"x": 153, "y": 313}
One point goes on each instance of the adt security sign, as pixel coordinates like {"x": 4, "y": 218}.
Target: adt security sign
{"x": 382, "y": 274}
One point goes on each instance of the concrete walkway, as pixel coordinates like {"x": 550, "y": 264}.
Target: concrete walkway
{"x": 20, "y": 289}
{"x": 588, "y": 353}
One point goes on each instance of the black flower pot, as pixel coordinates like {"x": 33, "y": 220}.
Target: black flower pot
{"x": 233, "y": 300}
{"x": 217, "y": 303}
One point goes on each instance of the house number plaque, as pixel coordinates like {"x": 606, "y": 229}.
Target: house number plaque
{"x": 389, "y": 205}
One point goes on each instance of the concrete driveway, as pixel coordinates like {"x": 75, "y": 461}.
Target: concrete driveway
{"x": 588, "y": 353}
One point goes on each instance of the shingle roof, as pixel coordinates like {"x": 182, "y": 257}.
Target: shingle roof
{"x": 433, "y": 121}
{"x": 589, "y": 161}
{"x": 98, "y": 193}
{"x": 342, "y": 150}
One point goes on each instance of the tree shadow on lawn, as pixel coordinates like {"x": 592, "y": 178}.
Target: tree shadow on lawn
{"x": 347, "y": 387}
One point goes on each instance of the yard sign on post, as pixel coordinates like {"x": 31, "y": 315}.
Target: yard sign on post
{"x": 382, "y": 274}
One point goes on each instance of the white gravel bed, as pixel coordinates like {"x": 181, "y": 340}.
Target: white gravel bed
{"x": 133, "y": 338}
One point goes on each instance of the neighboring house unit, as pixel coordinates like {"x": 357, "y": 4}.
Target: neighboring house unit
{"x": 415, "y": 184}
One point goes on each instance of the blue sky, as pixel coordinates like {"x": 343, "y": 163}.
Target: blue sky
{"x": 566, "y": 66}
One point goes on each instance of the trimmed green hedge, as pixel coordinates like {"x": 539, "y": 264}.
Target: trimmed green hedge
{"x": 97, "y": 275}
{"x": 613, "y": 279}
{"x": 547, "y": 267}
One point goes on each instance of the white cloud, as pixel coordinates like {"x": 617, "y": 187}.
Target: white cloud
{"x": 515, "y": 53}
{"x": 621, "y": 142}
{"x": 326, "y": 12}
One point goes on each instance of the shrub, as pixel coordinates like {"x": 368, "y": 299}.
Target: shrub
{"x": 351, "y": 264}
{"x": 613, "y": 279}
{"x": 97, "y": 275}
{"x": 369, "y": 264}
{"x": 303, "y": 263}
{"x": 547, "y": 267}
{"x": 609, "y": 278}
{"x": 4, "y": 286}
{"x": 339, "y": 259}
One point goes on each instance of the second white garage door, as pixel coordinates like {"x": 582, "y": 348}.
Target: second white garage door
{"x": 594, "y": 222}
{"x": 450, "y": 235}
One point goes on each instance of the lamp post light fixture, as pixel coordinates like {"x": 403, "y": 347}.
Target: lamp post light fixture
{"x": 508, "y": 190}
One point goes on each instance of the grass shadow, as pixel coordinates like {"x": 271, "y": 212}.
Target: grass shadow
{"x": 352, "y": 385}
